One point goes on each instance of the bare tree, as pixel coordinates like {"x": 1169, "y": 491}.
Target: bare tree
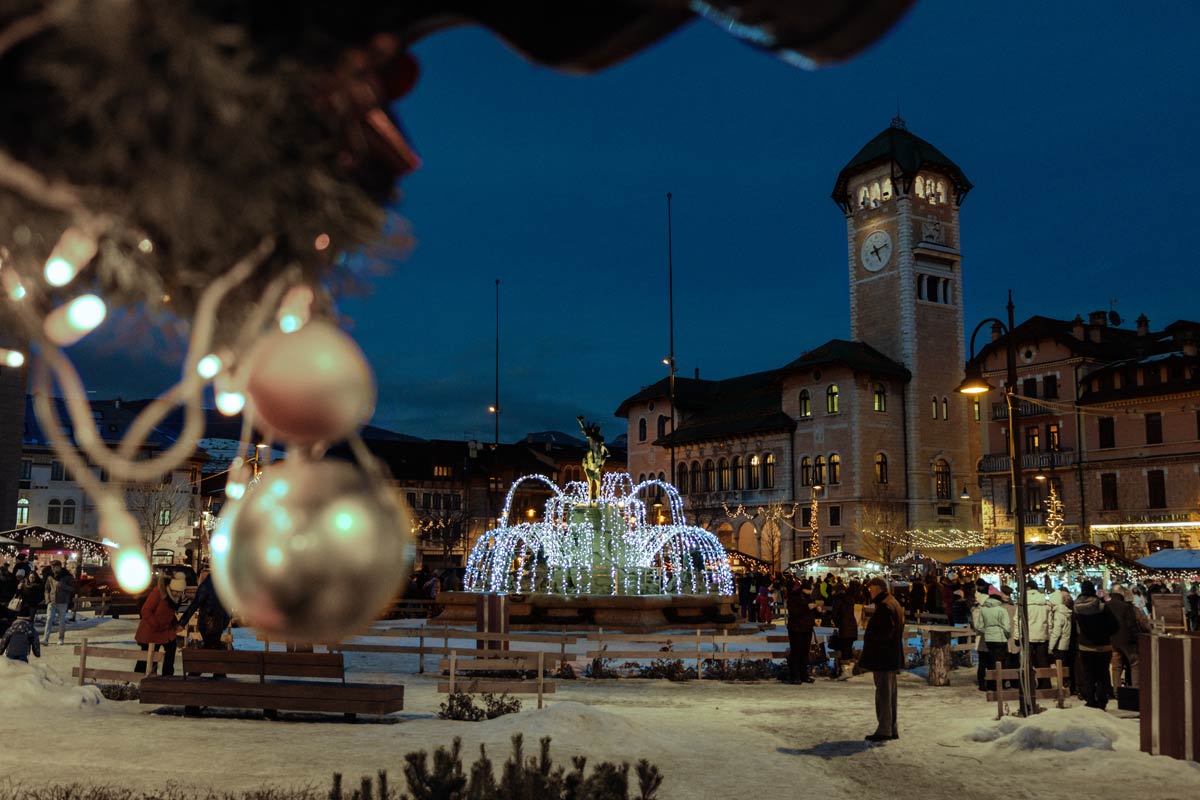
{"x": 770, "y": 543}
{"x": 159, "y": 509}
{"x": 883, "y": 534}
{"x": 443, "y": 528}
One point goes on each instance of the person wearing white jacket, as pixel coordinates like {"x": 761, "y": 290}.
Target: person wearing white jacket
{"x": 1039, "y": 627}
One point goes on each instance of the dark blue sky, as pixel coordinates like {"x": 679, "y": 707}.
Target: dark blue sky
{"x": 1077, "y": 123}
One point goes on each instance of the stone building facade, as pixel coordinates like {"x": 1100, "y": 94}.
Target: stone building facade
{"x": 1110, "y": 418}
{"x": 873, "y": 421}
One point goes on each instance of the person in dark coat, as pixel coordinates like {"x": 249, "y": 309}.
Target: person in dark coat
{"x": 948, "y": 588}
{"x": 1095, "y": 626}
{"x": 883, "y": 654}
{"x": 802, "y": 617}
{"x": 746, "y": 596}
{"x": 211, "y": 616}
{"x": 842, "y": 617}
{"x": 1130, "y": 622}
{"x": 960, "y": 609}
{"x": 32, "y": 594}
{"x": 916, "y": 598}
{"x": 19, "y": 639}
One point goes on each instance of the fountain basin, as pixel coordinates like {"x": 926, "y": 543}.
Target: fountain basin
{"x": 635, "y": 613}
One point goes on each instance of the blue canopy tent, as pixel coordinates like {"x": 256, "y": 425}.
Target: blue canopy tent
{"x": 1172, "y": 560}
{"x": 1059, "y": 558}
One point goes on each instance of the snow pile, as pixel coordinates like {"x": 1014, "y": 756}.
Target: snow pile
{"x": 32, "y": 687}
{"x": 1068, "y": 729}
{"x": 567, "y": 722}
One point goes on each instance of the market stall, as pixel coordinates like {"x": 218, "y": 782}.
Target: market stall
{"x": 44, "y": 545}
{"x": 841, "y": 562}
{"x": 1051, "y": 565}
{"x": 740, "y": 562}
{"x": 1175, "y": 564}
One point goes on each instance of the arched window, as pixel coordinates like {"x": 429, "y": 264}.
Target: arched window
{"x": 819, "y": 471}
{"x": 831, "y": 399}
{"x": 880, "y": 468}
{"x": 886, "y": 193}
{"x": 662, "y": 426}
{"x": 710, "y": 470}
{"x": 642, "y": 429}
{"x": 875, "y": 194}
{"x": 752, "y": 472}
{"x": 805, "y": 404}
{"x": 880, "y": 397}
{"x": 945, "y": 408}
{"x": 54, "y": 513}
{"x": 695, "y": 477}
{"x": 681, "y": 482}
{"x": 768, "y": 471}
{"x": 805, "y": 471}
{"x": 975, "y": 408}
{"x": 941, "y": 479}
{"x": 735, "y": 473}
{"x": 68, "y": 512}
{"x": 835, "y": 468}
{"x": 919, "y": 185}
{"x": 722, "y": 475}
{"x": 934, "y": 406}
{"x": 22, "y": 511}
{"x": 864, "y": 196}
{"x": 941, "y": 192}
{"x": 642, "y": 478}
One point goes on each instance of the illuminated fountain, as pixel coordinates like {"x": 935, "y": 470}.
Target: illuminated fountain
{"x": 597, "y": 558}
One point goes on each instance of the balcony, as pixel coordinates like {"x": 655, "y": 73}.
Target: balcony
{"x": 998, "y": 462}
{"x": 1024, "y": 409}
{"x": 1035, "y": 519}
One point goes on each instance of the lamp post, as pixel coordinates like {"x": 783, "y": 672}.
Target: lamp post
{"x": 978, "y": 385}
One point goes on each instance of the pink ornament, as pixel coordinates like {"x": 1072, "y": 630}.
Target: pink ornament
{"x": 310, "y": 386}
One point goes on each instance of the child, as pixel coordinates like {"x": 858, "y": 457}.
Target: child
{"x": 19, "y": 639}
{"x": 762, "y": 604}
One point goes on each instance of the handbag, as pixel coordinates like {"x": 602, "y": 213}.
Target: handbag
{"x": 14, "y": 604}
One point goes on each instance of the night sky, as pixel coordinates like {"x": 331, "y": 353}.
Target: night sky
{"x": 1078, "y": 123}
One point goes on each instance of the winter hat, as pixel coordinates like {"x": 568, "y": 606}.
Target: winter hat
{"x": 1087, "y": 587}
{"x": 994, "y": 592}
{"x": 958, "y": 593}
{"x": 983, "y": 586}
{"x": 178, "y": 582}
{"x": 1007, "y": 590}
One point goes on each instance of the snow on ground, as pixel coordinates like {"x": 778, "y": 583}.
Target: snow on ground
{"x": 710, "y": 739}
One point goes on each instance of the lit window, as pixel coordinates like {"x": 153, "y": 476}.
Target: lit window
{"x": 805, "y": 404}
{"x": 441, "y": 471}
{"x": 164, "y": 515}
{"x": 831, "y": 399}
{"x": 864, "y": 196}
{"x": 975, "y": 409}
{"x": 695, "y": 484}
{"x": 875, "y": 194}
{"x": 886, "y": 193}
{"x": 934, "y": 408}
{"x": 880, "y": 397}
{"x": 920, "y": 185}
{"x": 710, "y": 470}
{"x": 941, "y": 192}
{"x": 835, "y": 468}
{"x": 735, "y": 473}
{"x": 806, "y": 471}
{"x": 768, "y": 471}
{"x": 819, "y": 471}
{"x": 752, "y": 472}
{"x": 881, "y": 475}
{"x": 22, "y": 511}
{"x": 941, "y": 475}
{"x": 945, "y": 408}
{"x": 722, "y": 475}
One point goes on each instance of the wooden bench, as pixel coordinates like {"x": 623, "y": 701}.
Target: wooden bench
{"x": 1057, "y": 691}
{"x": 325, "y": 691}
{"x": 468, "y": 661}
{"x": 90, "y": 652}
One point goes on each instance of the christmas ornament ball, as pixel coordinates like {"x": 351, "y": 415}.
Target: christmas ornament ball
{"x": 312, "y": 553}
{"x": 312, "y": 385}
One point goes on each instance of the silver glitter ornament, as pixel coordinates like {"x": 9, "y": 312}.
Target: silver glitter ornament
{"x": 313, "y": 553}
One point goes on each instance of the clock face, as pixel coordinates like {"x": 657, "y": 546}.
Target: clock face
{"x": 876, "y": 251}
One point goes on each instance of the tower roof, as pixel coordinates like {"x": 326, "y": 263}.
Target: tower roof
{"x": 908, "y": 154}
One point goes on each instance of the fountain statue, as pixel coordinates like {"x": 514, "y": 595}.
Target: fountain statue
{"x": 595, "y": 540}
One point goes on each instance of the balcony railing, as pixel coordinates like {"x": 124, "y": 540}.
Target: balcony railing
{"x": 1024, "y": 409}
{"x": 998, "y": 462}
{"x": 1035, "y": 518}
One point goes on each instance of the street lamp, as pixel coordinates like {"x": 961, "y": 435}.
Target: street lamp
{"x": 976, "y": 384}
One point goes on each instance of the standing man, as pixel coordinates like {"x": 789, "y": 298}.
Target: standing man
{"x": 883, "y": 654}
{"x": 64, "y": 590}
{"x": 802, "y": 616}
{"x": 1095, "y": 626}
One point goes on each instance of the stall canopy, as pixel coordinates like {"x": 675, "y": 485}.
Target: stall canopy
{"x": 739, "y": 561}
{"x": 1042, "y": 556}
{"x": 1172, "y": 559}
{"x": 834, "y": 562}
{"x": 36, "y": 538}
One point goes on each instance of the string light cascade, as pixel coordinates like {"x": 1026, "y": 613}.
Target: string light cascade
{"x": 1054, "y": 517}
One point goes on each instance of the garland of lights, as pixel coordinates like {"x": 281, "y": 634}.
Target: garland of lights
{"x": 1054, "y": 517}
{"x": 933, "y": 539}
{"x": 606, "y": 546}
{"x": 814, "y": 544}
{"x": 86, "y": 547}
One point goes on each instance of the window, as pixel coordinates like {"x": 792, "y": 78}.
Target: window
{"x": 752, "y": 472}
{"x": 945, "y": 408}
{"x": 1154, "y": 428}
{"x": 920, "y": 184}
{"x": 768, "y": 471}
{"x": 56, "y": 471}
{"x": 806, "y": 517}
{"x": 710, "y": 471}
{"x": 642, "y": 429}
{"x": 941, "y": 192}
{"x": 886, "y": 190}
{"x": 1033, "y": 495}
{"x": 412, "y": 499}
{"x": 941, "y": 479}
{"x": 735, "y": 473}
{"x": 427, "y": 500}
{"x": 722, "y": 475}
{"x": 1050, "y": 387}
{"x": 933, "y": 407}
{"x": 1108, "y": 433}
{"x": 455, "y": 502}
{"x": 1156, "y": 489}
{"x": 681, "y": 477}
{"x": 1109, "y": 492}
{"x": 881, "y": 468}
{"x": 662, "y": 426}
{"x": 831, "y": 399}
{"x": 806, "y": 471}
{"x": 835, "y": 468}
{"x": 835, "y": 516}
{"x": 164, "y": 515}
{"x": 22, "y": 511}
{"x": 975, "y": 409}
{"x": 819, "y": 471}
{"x": 437, "y": 502}
{"x": 864, "y": 196}
{"x": 68, "y": 512}
{"x": 1052, "y": 437}
{"x": 805, "y": 404}
{"x": 26, "y": 469}
{"x": 696, "y": 475}
{"x": 54, "y": 513}
{"x": 1029, "y": 387}
{"x": 880, "y": 398}
{"x": 1033, "y": 439}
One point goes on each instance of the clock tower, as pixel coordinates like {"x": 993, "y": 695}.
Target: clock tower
{"x": 901, "y": 198}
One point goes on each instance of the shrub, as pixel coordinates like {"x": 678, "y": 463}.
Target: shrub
{"x": 671, "y": 669}
{"x": 600, "y": 668}
{"x": 742, "y": 669}
{"x": 461, "y": 706}
{"x": 120, "y": 691}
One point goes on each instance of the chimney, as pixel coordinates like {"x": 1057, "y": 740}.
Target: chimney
{"x": 1098, "y": 318}
{"x": 995, "y": 331}
{"x": 1077, "y": 328}
{"x": 697, "y": 373}
{"x": 1143, "y": 325}
{"x": 1189, "y": 346}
